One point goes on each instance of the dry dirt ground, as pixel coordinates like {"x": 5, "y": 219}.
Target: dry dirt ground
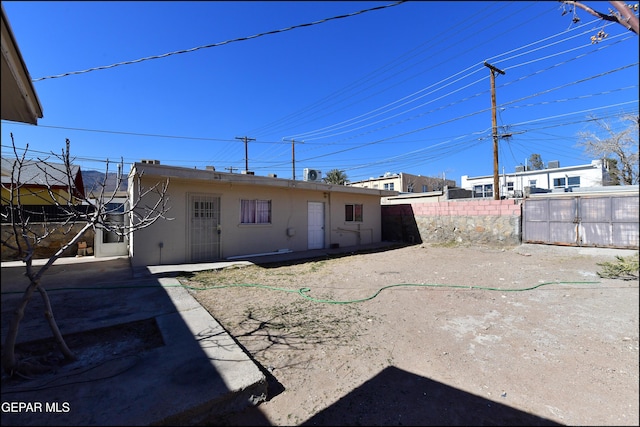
{"x": 527, "y": 335}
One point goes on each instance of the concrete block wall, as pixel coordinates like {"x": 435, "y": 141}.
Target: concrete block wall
{"x": 462, "y": 221}
{"x": 59, "y": 236}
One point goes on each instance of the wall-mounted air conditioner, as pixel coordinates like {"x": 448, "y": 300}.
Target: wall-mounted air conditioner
{"x": 311, "y": 175}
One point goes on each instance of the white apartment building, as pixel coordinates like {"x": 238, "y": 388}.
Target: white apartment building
{"x": 554, "y": 178}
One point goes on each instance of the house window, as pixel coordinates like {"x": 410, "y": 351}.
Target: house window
{"x": 509, "y": 186}
{"x": 389, "y": 186}
{"x": 353, "y": 213}
{"x": 424, "y": 189}
{"x": 255, "y": 211}
{"x": 532, "y": 183}
{"x": 410, "y": 188}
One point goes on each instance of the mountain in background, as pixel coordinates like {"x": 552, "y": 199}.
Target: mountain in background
{"x": 93, "y": 180}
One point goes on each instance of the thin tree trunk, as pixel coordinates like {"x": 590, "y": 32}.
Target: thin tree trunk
{"x": 48, "y": 314}
{"x": 8, "y": 351}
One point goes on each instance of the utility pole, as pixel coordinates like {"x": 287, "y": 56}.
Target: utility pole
{"x": 246, "y": 150}
{"x": 293, "y": 158}
{"x": 494, "y": 124}
{"x": 230, "y": 169}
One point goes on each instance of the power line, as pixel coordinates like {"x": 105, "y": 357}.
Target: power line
{"x": 193, "y": 49}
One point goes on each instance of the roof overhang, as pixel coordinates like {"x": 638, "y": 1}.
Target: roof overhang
{"x": 180, "y": 173}
{"x": 19, "y": 99}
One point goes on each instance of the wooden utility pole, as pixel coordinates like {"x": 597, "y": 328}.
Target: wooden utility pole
{"x": 230, "y": 169}
{"x": 246, "y": 150}
{"x": 293, "y": 158}
{"x": 494, "y": 125}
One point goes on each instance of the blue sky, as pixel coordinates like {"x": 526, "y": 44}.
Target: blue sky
{"x": 399, "y": 89}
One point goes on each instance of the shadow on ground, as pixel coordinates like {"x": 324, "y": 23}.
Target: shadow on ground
{"x": 397, "y": 397}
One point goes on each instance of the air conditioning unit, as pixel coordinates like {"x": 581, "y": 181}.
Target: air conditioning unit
{"x": 312, "y": 175}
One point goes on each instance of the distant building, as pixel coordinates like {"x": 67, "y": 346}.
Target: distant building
{"x": 554, "y": 178}
{"x": 405, "y": 183}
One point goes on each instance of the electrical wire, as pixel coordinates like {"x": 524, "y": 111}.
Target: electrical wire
{"x": 193, "y": 49}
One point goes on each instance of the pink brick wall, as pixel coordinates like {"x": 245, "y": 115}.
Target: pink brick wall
{"x": 474, "y": 207}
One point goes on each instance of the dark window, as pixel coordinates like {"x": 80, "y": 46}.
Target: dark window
{"x": 353, "y": 213}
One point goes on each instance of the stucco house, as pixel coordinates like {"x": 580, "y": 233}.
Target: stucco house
{"x": 218, "y": 215}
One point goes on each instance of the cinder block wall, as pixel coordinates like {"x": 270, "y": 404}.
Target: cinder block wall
{"x": 463, "y": 221}
{"x": 49, "y": 246}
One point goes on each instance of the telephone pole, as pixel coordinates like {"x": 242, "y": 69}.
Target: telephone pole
{"x": 293, "y": 158}
{"x": 230, "y": 169}
{"x": 494, "y": 124}
{"x": 246, "y": 150}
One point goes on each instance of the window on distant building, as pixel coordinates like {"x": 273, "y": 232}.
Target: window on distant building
{"x": 389, "y": 186}
{"x": 509, "y": 186}
{"x": 424, "y": 188}
{"x": 353, "y": 212}
{"x": 485, "y": 190}
{"x": 255, "y": 211}
{"x": 574, "y": 181}
{"x": 558, "y": 182}
{"x": 532, "y": 182}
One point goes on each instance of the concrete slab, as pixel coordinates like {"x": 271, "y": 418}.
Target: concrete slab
{"x": 198, "y": 372}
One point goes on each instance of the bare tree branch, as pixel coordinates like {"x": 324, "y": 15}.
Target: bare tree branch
{"x": 624, "y": 15}
{"x": 58, "y": 186}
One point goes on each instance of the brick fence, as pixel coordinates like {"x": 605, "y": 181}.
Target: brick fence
{"x": 472, "y": 221}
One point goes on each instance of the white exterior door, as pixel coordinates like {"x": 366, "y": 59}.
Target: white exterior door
{"x": 316, "y": 225}
{"x": 204, "y": 214}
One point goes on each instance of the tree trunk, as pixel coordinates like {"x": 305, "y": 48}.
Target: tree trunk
{"x": 8, "y": 351}
{"x": 48, "y": 314}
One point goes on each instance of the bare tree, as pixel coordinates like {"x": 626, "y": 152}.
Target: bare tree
{"x": 621, "y": 146}
{"x": 74, "y": 208}
{"x": 622, "y": 14}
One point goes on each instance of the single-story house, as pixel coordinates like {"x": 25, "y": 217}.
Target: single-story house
{"x": 218, "y": 215}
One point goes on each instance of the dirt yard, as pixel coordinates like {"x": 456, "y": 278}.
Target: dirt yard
{"x": 423, "y": 335}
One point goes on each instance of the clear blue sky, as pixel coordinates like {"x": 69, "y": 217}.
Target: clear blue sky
{"x": 399, "y": 89}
